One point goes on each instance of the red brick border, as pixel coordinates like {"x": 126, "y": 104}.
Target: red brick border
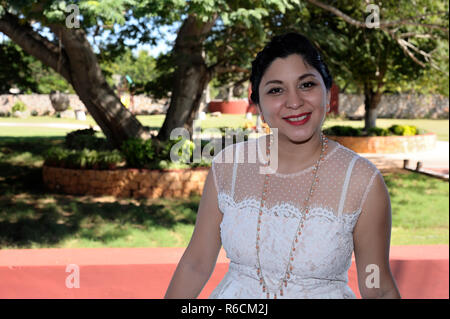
{"x": 136, "y": 183}
{"x": 388, "y": 144}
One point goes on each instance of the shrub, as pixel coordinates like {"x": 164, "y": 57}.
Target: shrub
{"x": 19, "y": 106}
{"x": 81, "y": 159}
{"x": 154, "y": 154}
{"x": 109, "y": 159}
{"x": 85, "y": 138}
{"x": 378, "y": 131}
{"x": 420, "y": 131}
{"x": 339, "y": 130}
{"x": 84, "y": 159}
{"x": 138, "y": 153}
{"x": 56, "y": 156}
{"x": 404, "y": 130}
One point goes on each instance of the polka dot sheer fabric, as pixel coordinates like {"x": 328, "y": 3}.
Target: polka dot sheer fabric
{"x": 324, "y": 250}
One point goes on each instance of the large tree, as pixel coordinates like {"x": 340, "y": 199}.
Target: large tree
{"x": 68, "y": 51}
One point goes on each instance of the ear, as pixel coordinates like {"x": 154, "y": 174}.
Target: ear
{"x": 328, "y": 101}
{"x": 260, "y": 112}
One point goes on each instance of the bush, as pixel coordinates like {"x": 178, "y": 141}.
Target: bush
{"x": 85, "y": 138}
{"x": 139, "y": 153}
{"x": 84, "y": 159}
{"x": 378, "y": 131}
{"x": 19, "y": 106}
{"x": 154, "y": 154}
{"x": 404, "y": 130}
{"x": 56, "y": 156}
{"x": 339, "y": 130}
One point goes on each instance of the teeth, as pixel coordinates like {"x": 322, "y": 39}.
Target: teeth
{"x": 295, "y": 119}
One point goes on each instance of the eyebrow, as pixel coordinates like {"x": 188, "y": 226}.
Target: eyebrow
{"x": 301, "y": 77}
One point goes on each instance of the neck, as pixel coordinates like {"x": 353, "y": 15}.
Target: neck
{"x": 294, "y": 157}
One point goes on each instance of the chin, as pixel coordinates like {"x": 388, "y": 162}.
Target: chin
{"x": 298, "y": 138}
{"x": 300, "y": 134}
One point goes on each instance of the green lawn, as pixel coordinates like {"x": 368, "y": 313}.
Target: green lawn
{"x": 440, "y": 127}
{"x": 420, "y": 206}
{"x": 32, "y": 217}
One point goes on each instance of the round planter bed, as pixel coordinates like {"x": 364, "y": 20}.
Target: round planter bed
{"x": 130, "y": 182}
{"x": 388, "y": 144}
{"x": 232, "y": 107}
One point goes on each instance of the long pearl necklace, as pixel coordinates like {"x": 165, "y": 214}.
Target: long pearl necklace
{"x": 300, "y": 226}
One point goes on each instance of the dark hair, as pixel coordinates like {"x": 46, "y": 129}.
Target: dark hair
{"x": 282, "y": 46}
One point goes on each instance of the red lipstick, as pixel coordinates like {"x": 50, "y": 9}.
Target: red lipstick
{"x": 301, "y": 122}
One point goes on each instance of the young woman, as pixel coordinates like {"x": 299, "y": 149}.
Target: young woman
{"x": 290, "y": 233}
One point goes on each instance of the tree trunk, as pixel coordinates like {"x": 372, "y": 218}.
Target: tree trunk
{"x": 371, "y": 101}
{"x": 191, "y": 76}
{"x": 116, "y": 121}
{"x": 75, "y": 60}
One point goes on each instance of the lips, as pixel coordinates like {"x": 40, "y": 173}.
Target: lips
{"x": 298, "y": 115}
{"x": 292, "y": 120}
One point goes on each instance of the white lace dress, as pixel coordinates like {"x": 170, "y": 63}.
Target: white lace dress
{"x": 324, "y": 251}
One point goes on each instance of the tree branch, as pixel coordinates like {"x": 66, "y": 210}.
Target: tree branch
{"x": 383, "y": 24}
{"x": 35, "y": 44}
{"x": 391, "y": 27}
{"x": 219, "y": 68}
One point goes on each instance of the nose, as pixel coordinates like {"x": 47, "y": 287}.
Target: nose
{"x": 294, "y": 100}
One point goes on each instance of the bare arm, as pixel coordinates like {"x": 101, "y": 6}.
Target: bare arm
{"x": 198, "y": 261}
{"x": 371, "y": 238}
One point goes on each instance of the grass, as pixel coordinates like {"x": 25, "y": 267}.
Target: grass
{"x": 420, "y": 209}
{"x": 31, "y": 217}
{"x": 42, "y": 221}
{"x": 440, "y": 127}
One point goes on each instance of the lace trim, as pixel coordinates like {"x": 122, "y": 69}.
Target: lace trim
{"x": 250, "y": 204}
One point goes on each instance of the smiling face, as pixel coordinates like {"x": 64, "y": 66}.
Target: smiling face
{"x": 291, "y": 88}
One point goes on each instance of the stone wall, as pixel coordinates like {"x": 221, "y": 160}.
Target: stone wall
{"x": 391, "y": 106}
{"x": 41, "y": 104}
{"x": 401, "y": 106}
{"x": 136, "y": 183}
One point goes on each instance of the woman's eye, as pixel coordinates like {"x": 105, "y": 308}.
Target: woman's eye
{"x": 275, "y": 91}
{"x": 307, "y": 85}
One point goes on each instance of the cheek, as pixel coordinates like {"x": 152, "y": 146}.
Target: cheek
{"x": 317, "y": 100}
{"x": 271, "y": 104}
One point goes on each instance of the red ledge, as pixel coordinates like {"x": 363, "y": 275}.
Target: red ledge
{"x": 420, "y": 272}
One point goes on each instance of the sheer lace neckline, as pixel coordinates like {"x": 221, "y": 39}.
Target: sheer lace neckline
{"x": 307, "y": 169}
